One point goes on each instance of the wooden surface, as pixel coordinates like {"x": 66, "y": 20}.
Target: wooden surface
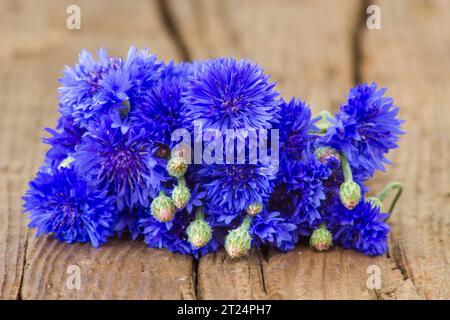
{"x": 315, "y": 50}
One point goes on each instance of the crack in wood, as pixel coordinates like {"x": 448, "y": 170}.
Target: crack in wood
{"x": 168, "y": 22}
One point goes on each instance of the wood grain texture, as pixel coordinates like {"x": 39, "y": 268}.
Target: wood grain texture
{"x": 220, "y": 277}
{"x": 335, "y": 274}
{"x": 35, "y": 47}
{"x": 410, "y": 56}
{"x": 13, "y": 235}
{"x": 121, "y": 269}
{"x": 308, "y": 48}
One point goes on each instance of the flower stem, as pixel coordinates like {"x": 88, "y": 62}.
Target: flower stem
{"x": 199, "y": 214}
{"x": 124, "y": 111}
{"x": 388, "y": 188}
{"x": 181, "y": 181}
{"x": 246, "y": 223}
{"x": 348, "y": 176}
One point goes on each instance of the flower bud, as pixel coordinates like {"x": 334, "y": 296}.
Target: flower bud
{"x": 254, "y": 209}
{"x": 181, "y": 196}
{"x": 65, "y": 163}
{"x": 321, "y": 239}
{"x": 176, "y": 167}
{"x": 375, "y": 202}
{"x": 162, "y": 208}
{"x": 199, "y": 233}
{"x": 328, "y": 156}
{"x": 350, "y": 193}
{"x": 238, "y": 241}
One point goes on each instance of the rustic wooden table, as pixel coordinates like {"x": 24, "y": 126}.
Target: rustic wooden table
{"x": 315, "y": 50}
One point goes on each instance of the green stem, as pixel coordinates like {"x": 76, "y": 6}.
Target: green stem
{"x": 161, "y": 193}
{"x": 398, "y": 186}
{"x": 126, "y": 110}
{"x": 246, "y": 223}
{"x": 181, "y": 181}
{"x": 348, "y": 176}
{"x": 199, "y": 214}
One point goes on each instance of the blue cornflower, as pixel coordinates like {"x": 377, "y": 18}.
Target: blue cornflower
{"x": 124, "y": 162}
{"x": 172, "y": 235}
{"x": 271, "y": 229}
{"x": 365, "y": 128}
{"x": 233, "y": 187}
{"x": 363, "y": 228}
{"x": 296, "y": 128}
{"x": 63, "y": 141}
{"x": 159, "y": 109}
{"x": 62, "y": 203}
{"x": 128, "y": 221}
{"x": 300, "y": 189}
{"x": 92, "y": 89}
{"x": 230, "y": 94}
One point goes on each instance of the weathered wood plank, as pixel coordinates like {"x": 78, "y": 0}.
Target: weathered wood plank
{"x": 219, "y": 277}
{"x": 35, "y": 46}
{"x": 13, "y": 235}
{"x": 121, "y": 269}
{"x": 410, "y": 56}
{"x": 336, "y": 274}
{"x": 308, "y": 48}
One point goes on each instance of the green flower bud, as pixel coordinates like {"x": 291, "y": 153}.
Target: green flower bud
{"x": 350, "y": 193}
{"x": 328, "y": 156}
{"x": 65, "y": 163}
{"x": 238, "y": 241}
{"x": 199, "y": 233}
{"x": 125, "y": 110}
{"x": 321, "y": 239}
{"x": 176, "y": 167}
{"x": 254, "y": 209}
{"x": 181, "y": 196}
{"x": 162, "y": 208}
{"x": 375, "y": 202}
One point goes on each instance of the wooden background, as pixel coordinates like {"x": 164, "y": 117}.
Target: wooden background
{"x": 315, "y": 50}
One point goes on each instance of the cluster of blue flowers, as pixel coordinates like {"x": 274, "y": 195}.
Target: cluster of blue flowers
{"x": 114, "y": 169}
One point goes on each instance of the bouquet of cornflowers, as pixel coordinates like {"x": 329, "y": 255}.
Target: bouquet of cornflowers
{"x": 194, "y": 157}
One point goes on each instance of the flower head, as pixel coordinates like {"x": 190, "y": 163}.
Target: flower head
{"x": 159, "y": 110}
{"x": 92, "y": 89}
{"x": 254, "y": 209}
{"x": 350, "y": 194}
{"x": 122, "y": 162}
{"x": 163, "y": 208}
{"x": 365, "y": 128}
{"x": 235, "y": 186}
{"x": 238, "y": 241}
{"x": 328, "y": 156}
{"x": 63, "y": 141}
{"x": 172, "y": 235}
{"x": 296, "y": 128}
{"x": 321, "y": 238}
{"x": 181, "y": 195}
{"x": 62, "y": 203}
{"x": 300, "y": 189}
{"x": 176, "y": 167}
{"x": 230, "y": 94}
{"x": 272, "y": 229}
{"x": 363, "y": 228}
